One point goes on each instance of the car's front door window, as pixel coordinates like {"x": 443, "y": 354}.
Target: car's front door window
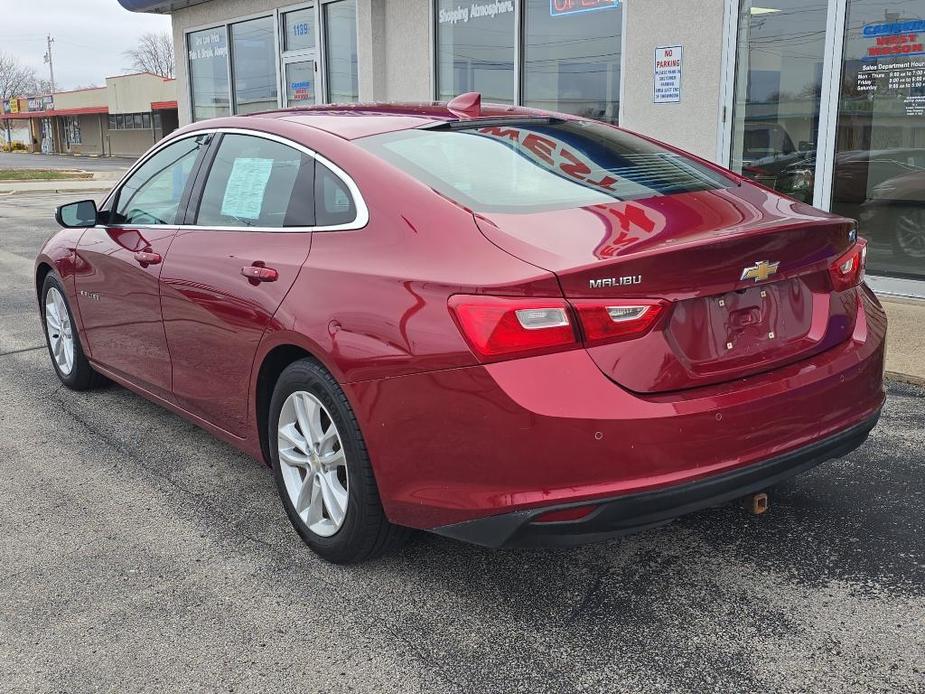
{"x": 152, "y": 194}
{"x": 255, "y": 182}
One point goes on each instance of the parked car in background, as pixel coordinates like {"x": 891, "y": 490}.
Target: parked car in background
{"x": 896, "y": 209}
{"x": 501, "y": 325}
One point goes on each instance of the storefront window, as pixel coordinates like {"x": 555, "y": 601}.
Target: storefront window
{"x": 475, "y": 49}
{"x": 781, "y": 49}
{"x": 340, "y": 25}
{"x": 253, "y": 60}
{"x": 572, "y": 57}
{"x": 208, "y": 72}
{"x": 879, "y": 172}
{"x": 299, "y": 30}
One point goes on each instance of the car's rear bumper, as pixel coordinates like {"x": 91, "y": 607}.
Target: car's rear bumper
{"x": 635, "y": 512}
{"x": 535, "y": 434}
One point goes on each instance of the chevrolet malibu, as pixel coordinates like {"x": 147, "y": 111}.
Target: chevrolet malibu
{"x": 501, "y": 325}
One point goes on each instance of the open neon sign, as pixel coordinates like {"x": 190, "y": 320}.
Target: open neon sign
{"x": 558, "y": 8}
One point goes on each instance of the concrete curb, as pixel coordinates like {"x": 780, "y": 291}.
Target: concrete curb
{"x": 905, "y": 378}
{"x": 52, "y": 191}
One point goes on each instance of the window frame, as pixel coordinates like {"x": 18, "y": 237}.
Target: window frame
{"x": 322, "y": 46}
{"x": 296, "y": 55}
{"x": 280, "y": 56}
{"x": 196, "y": 183}
{"x": 273, "y": 16}
{"x": 519, "y": 52}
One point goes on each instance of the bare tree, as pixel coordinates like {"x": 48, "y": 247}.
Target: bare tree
{"x": 154, "y": 53}
{"x": 16, "y": 79}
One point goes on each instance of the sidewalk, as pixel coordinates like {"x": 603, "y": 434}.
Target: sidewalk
{"x": 905, "y": 349}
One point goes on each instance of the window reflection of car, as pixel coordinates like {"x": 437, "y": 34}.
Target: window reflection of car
{"x": 767, "y": 149}
{"x": 895, "y": 213}
{"x": 798, "y": 179}
{"x": 857, "y": 172}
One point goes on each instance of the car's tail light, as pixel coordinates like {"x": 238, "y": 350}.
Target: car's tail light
{"x": 502, "y": 328}
{"x": 848, "y": 270}
{"x": 616, "y": 320}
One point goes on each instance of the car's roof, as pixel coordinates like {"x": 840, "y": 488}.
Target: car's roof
{"x": 351, "y": 121}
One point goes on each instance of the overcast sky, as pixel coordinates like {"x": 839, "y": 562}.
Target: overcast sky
{"x": 90, "y": 37}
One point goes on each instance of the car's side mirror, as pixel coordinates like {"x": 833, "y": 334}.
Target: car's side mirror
{"x": 77, "y": 215}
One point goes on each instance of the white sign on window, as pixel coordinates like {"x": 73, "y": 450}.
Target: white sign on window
{"x": 246, "y": 187}
{"x": 668, "y": 74}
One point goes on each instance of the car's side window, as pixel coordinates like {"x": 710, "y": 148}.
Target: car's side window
{"x": 255, "y": 182}
{"x": 333, "y": 202}
{"x": 152, "y": 194}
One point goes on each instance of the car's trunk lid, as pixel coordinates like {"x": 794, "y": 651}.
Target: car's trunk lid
{"x": 746, "y": 272}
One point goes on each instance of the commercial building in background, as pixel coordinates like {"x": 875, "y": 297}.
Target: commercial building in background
{"x": 124, "y": 118}
{"x": 821, "y": 99}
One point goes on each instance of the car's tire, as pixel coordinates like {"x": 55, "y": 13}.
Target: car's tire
{"x": 338, "y": 470}
{"x": 62, "y": 339}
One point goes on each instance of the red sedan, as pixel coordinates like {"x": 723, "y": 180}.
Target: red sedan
{"x": 501, "y": 325}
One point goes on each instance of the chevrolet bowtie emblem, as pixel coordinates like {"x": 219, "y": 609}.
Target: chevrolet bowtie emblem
{"x": 760, "y": 271}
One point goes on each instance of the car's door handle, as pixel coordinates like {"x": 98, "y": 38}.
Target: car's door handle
{"x": 146, "y": 258}
{"x": 258, "y": 273}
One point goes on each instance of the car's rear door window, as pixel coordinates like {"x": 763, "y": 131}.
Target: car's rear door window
{"x": 526, "y": 166}
{"x": 257, "y": 182}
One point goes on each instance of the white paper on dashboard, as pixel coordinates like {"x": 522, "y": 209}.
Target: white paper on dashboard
{"x": 246, "y": 186}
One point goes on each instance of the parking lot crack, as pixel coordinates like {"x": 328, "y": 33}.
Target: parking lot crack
{"x": 21, "y": 351}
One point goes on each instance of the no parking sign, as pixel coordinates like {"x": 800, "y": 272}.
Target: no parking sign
{"x": 668, "y": 74}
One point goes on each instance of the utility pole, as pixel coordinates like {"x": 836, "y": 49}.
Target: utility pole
{"x": 51, "y": 66}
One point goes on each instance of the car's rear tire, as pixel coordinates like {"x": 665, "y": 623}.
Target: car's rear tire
{"x": 64, "y": 348}
{"x": 325, "y": 478}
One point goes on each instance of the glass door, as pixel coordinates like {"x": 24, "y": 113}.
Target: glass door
{"x": 778, "y": 81}
{"x": 879, "y": 164}
{"x": 299, "y": 43}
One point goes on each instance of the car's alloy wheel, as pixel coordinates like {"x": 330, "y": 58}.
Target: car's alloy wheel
{"x": 322, "y": 468}
{"x": 67, "y": 355}
{"x": 910, "y": 233}
{"x": 313, "y": 463}
{"x": 60, "y": 331}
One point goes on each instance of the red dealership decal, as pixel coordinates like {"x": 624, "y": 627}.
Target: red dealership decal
{"x": 898, "y": 44}
{"x": 558, "y": 8}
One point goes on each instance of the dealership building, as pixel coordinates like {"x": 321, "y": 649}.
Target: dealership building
{"x": 821, "y": 99}
{"x": 123, "y": 118}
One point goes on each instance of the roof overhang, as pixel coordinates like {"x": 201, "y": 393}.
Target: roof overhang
{"x": 158, "y": 6}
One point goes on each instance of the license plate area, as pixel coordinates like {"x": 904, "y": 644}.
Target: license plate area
{"x": 740, "y": 329}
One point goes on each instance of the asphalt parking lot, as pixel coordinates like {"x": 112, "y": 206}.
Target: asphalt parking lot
{"x": 139, "y": 553}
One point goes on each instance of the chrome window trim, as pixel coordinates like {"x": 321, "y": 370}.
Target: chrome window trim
{"x": 362, "y": 211}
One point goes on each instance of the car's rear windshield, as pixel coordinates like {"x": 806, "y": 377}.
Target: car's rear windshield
{"x": 532, "y": 166}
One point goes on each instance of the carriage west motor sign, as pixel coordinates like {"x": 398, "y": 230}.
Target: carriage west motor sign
{"x": 894, "y": 64}
{"x": 668, "y": 74}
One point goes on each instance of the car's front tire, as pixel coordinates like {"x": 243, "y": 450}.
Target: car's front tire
{"x": 67, "y": 355}
{"x": 322, "y": 468}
